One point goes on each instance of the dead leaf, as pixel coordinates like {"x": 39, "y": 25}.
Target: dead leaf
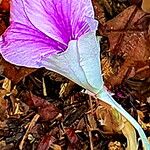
{"x": 3, "y": 124}
{"x": 18, "y": 107}
{"x": 3, "y": 105}
{"x": 130, "y": 134}
{"x": 99, "y": 12}
{"x": 46, "y": 142}
{"x": 115, "y": 146}
{"x": 106, "y": 68}
{"x": 2, "y": 26}
{"x": 14, "y": 73}
{"x": 55, "y": 147}
{"x": 146, "y": 6}
{"x": 7, "y": 85}
{"x": 129, "y": 39}
{"x": 46, "y": 110}
{"x": 136, "y": 2}
{"x": 109, "y": 119}
{"x": 145, "y": 126}
{"x": 5, "y": 5}
{"x": 92, "y": 122}
{"x": 5, "y": 146}
{"x": 71, "y": 135}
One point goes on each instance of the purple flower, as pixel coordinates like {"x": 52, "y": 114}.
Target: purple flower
{"x": 43, "y": 28}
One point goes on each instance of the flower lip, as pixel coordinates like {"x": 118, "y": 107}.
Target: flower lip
{"x": 44, "y": 28}
{"x": 62, "y": 20}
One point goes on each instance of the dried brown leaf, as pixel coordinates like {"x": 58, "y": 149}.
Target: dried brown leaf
{"x": 115, "y": 146}
{"x": 70, "y": 132}
{"x": 5, "y": 5}
{"x": 14, "y": 73}
{"x": 136, "y": 2}
{"x": 46, "y": 142}
{"x": 145, "y": 126}
{"x": 3, "y": 105}
{"x": 46, "y": 110}
{"x": 92, "y": 122}
{"x": 4, "y": 146}
{"x": 7, "y": 85}
{"x": 109, "y": 118}
{"x": 129, "y": 39}
{"x": 2, "y": 26}
{"x": 146, "y": 6}
{"x": 130, "y": 134}
{"x": 55, "y": 147}
{"x": 99, "y": 12}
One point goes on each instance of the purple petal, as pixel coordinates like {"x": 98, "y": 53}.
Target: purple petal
{"x": 40, "y": 28}
{"x": 62, "y": 20}
{"x": 25, "y": 46}
{"x": 22, "y": 43}
{"x": 17, "y": 13}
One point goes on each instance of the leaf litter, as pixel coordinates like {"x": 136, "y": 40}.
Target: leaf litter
{"x": 43, "y": 110}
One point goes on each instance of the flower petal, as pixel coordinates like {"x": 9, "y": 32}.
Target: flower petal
{"x": 62, "y": 20}
{"x": 17, "y": 13}
{"x": 22, "y": 45}
{"x": 80, "y": 62}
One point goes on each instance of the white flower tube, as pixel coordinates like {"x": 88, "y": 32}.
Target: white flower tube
{"x": 81, "y": 64}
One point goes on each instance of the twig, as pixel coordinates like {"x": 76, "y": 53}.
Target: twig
{"x": 32, "y": 123}
{"x": 90, "y": 137}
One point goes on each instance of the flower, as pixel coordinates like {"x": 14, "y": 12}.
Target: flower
{"x": 59, "y": 35}
{"x": 41, "y": 27}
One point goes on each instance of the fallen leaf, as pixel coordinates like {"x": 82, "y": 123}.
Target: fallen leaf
{"x": 15, "y": 73}
{"x": 145, "y": 126}
{"x": 7, "y": 85}
{"x": 46, "y": 110}
{"x": 5, "y": 146}
{"x": 5, "y": 5}
{"x": 115, "y": 146}
{"x": 99, "y": 12}
{"x": 92, "y": 122}
{"x": 130, "y": 134}
{"x": 2, "y": 26}
{"x": 106, "y": 68}
{"x": 46, "y": 142}
{"x": 71, "y": 135}
{"x": 109, "y": 119}
{"x": 3, "y": 124}
{"x": 55, "y": 147}
{"x": 129, "y": 40}
{"x": 3, "y": 105}
{"x": 146, "y": 6}
{"x": 136, "y": 2}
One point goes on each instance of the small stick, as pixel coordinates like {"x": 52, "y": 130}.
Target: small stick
{"x": 32, "y": 123}
{"x": 90, "y": 137}
{"x": 91, "y": 104}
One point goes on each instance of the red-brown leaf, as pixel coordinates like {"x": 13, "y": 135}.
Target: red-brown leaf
{"x": 71, "y": 135}
{"x": 5, "y": 5}
{"x": 46, "y": 142}
{"x": 46, "y": 110}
